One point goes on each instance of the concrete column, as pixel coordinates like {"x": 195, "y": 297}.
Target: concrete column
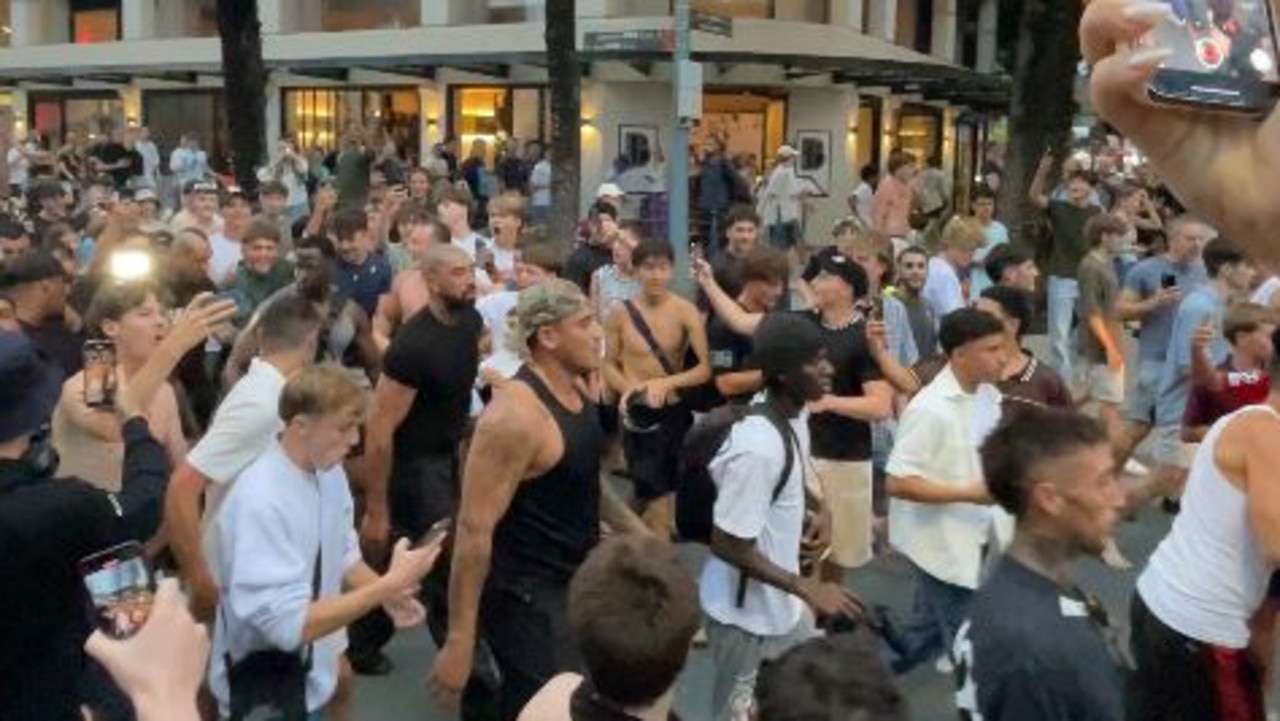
{"x": 138, "y": 18}
{"x": 274, "y": 118}
{"x": 28, "y": 20}
{"x": 847, "y": 13}
{"x": 882, "y": 20}
{"x": 21, "y": 110}
{"x": 453, "y": 12}
{"x": 988, "y": 26}
{"x": 271, "y": 15}
{"x": 944, "y": 30}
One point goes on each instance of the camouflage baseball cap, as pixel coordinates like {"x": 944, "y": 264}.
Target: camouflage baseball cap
{"x": 545, "y": 303}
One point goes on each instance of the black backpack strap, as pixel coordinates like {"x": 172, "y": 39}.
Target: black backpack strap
{"x": 791, "y": 445}
{"x": 645, "y": 332}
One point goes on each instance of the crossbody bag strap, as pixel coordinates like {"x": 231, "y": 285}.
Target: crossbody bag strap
{"x": 645, "y": 332}
{"x": 791, "y": 446}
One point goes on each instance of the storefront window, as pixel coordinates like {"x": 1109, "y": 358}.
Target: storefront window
{"x": 92, "y": 115}
{"x": 920, "y": 132}
{"x": 497, "y": 114}
{"x": 171, "y": 113}
{"x": 339, "y": 15}
{"x": 750, "y": 126}
{"x": 762, "y": 9}
{"x": 317, "y": 117}
{"x": 868, "y": 133}
{"x": 95, "y": 21}
{"x": 517, "y": 11}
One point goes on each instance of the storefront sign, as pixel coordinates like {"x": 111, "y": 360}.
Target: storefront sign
{"x": 712, "y": 24}
{"x": 644, "y": 41}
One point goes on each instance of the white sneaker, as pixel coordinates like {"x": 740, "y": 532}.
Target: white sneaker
{"x": 944, "y": 666}
{"x": 1134, "y": 468}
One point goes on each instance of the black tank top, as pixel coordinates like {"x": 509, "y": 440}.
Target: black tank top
{"x": 554, "y": 519}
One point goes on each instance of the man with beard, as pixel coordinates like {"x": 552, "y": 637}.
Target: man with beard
{"x": 532, "y": 503}
{"x": 913, "y": 269}
{"x": 420, "y": 406}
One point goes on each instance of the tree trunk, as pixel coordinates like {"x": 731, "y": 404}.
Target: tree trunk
{"x": 244, "y": 77}
{"x": 1041, "y": 106}
{"x": 565, "y": 76}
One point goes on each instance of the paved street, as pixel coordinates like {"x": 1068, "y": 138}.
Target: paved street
{"x": 403, "y": 695}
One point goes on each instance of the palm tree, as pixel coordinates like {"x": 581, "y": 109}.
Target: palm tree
{"x": 565, "y": 76}
{"x": 244, "y": 84}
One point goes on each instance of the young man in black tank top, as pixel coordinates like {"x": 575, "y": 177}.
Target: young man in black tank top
{"x": 531, "y": 505}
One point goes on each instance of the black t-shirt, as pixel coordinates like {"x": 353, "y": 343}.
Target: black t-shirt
{"x": 56, "y": 344}
{"x": 110, "y": 153}
{"x": 727, "y": 352}
{"x": 836, "y": 437}
{"x": 440, "y": 362}
{"x": 584, "y": 261}
{"x": 1032, "y": 651}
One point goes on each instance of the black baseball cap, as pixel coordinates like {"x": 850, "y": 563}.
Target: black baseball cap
{"x": 833, "y": 262}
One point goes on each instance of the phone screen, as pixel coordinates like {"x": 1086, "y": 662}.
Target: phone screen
{"x": 119, "y": 583}
{"x": 99, "y": 373}
{"x": 1168, "y": 280}
{"x": 1229, "y": 40}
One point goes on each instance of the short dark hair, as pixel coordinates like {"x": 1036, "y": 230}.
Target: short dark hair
{"x": 273, "y": 187}
{"x": 347, "y": 222}
{"x": 634, "y": 610}
{"x": 1078, "y": 175}
{"x": 913, "y": 250}
{"x": 262, "y": 229}
{"x": 741, "y": 214}
{"x": 831, "y": 678}
{"x": 765, "y": 265}
{"x": 601, "y": 207}
{"x": 1015, "y": 303}
{"x": 868, "y": 173}
{"x": 652, "y": 248}
{"x": 1003, "y": 257}
{"x": 10, "y": 228}
{"x": 1101, "y": 225}
{"x": 1014, "y": 450}
{"x": 286, "y": 322}
{"x": 317, "y": 242}
{"x": 964, "y": 326}
{"x": 982, "y": 191}
{"x": 1219, "y": 253}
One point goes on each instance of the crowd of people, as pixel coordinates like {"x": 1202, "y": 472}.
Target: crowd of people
{"x": 338, "y": 409}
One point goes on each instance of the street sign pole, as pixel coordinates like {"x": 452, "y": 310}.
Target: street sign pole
{"x": 678, "y": 151}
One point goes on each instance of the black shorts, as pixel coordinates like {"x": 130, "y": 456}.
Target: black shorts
{"x": 1181, "y": 679}
{"x": 653, "y": 458}
{"x": 423, "y": 490}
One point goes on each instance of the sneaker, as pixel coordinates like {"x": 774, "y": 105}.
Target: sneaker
{"x": 1134, "y": 468}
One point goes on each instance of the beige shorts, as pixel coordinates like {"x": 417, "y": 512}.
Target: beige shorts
{"x": 1102, "y": 384}
{"x": 846, "y": 488}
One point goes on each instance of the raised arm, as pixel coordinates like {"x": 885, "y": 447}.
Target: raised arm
{"x": 1036, "y": 193}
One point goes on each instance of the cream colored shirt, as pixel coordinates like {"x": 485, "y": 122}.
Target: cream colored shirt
{"x": 938, "y": 440}
{"x": 88, "y": 439}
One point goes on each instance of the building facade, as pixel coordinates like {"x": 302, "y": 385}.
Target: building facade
{"x": 845, "y": 81}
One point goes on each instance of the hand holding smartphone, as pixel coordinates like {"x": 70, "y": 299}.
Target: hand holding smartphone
{"x": 121, "y": 588}
{"x": 99, "y": 373}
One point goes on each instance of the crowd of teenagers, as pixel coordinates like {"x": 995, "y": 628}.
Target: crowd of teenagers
{"x": 327, "y": 418}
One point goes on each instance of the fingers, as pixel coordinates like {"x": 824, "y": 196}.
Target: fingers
{"x": 1111, "y": 25}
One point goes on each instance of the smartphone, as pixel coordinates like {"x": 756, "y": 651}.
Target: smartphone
{"x": 121, "y": 588}
{"x": 696, "y": 253}
{"x": 438, "y": 530}
{"x": 99, "y": 373}
{"x": 877, "y": 308}
{"x": 1168, "y": 280}
{"x": 1224, "y": 57}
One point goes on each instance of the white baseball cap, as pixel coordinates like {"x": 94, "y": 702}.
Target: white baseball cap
{"x": 609, "y": 190}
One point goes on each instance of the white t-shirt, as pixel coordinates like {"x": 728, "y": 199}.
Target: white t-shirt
{"x": 224, "y": 255}
{"x": 19, "y": 167}
{"x": 942, "y": 289}
{"x": 494, "y": 310}
{"x": 246, "y": 424}
{"x": 745, "y": 472}
{"x": 276, "y": 520}
{"x": 540, "y": 181}
{"x": 863, "y": 197}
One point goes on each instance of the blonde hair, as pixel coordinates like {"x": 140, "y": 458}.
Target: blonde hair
{"x": 507, "y": 204}
{"x": 962, "y": 233}
{"x": 320, "y": 391}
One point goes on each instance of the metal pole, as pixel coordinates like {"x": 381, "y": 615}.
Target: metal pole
{"x": 678, "y": 153}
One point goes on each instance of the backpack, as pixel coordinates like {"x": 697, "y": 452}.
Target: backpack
{"x": 695, "y": 490}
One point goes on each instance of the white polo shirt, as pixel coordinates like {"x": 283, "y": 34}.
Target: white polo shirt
{"x": 246, "y": 424}
{"x": 942, "y": 289}
{"x": 938, "y": 440}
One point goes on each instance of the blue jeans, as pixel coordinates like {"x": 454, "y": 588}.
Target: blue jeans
{"x": 938, "y": 609}
{"x": 1063, "y": 294}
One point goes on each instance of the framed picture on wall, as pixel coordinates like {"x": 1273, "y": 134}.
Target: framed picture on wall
{"x": 814, "y": 160}
{"x": 636, "y": 168}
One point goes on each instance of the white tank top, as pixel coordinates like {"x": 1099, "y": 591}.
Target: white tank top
{"x": 1208, "y": 575}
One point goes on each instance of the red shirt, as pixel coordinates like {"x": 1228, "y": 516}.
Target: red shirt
{"x": 1236, "y": 389}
